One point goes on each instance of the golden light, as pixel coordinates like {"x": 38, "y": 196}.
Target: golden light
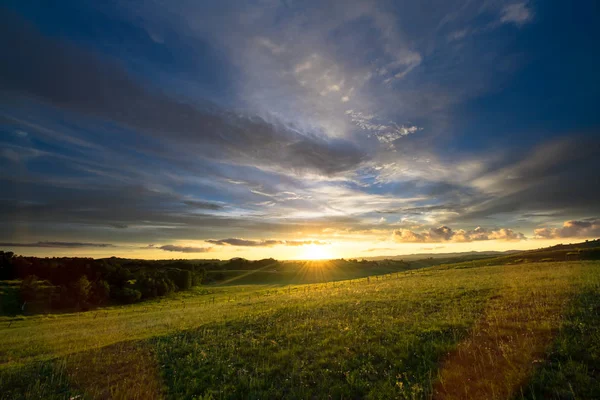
{"x": 316, "y": 252}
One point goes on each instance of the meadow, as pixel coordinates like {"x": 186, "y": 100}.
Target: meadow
{"x": 528, "y": 330}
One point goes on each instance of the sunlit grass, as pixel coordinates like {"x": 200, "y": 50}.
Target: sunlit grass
{"x": 406, "y": 335}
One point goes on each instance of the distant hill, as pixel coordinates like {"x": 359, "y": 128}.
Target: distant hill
{"x": 474, "y": 255}
{"x": 588, "y": 244}
{"x": 421, "y": 256}
{"x": 588, "y": 250}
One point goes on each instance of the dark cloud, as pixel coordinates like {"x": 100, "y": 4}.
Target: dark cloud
{"x": 443, "y": 233}
{"x": 66, "y": 76}
{"x": 571, "y": 229}
{"x": 244, "y": 242}
{"x": 446, "y": 234}
{"x": 203, "y": 205}
{"x": 263, "y": 243}
{"x": 66, "y": 245}
{"x": 92, "y": 211}
{"x": 184, "y": 249}
{"x": 558, "y": 175}
{"x": 423, "y": 209}
{"x": 540, "y": 215}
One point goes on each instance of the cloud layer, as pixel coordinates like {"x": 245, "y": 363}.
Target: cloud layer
{"x": 571, "y": 229}
{"x": 446, "y": 234}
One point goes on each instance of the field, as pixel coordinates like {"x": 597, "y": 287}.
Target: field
{"x": 528, "y": 330}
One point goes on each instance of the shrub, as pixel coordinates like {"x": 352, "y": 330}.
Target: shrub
{"x": 128, "y": 295}
{"x": 31, "y": 289}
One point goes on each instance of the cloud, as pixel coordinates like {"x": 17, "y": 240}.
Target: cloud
{"x": 571, "y": 229}
{"x": 203, "y": 205}
{"x": 274, "y": 48}
{"x": 446, "y": 234}
{"x": 84, "y": 83}
{"x": 555, "y": 175}
{"x": 65, "y": 245}
{"x": 184, "y": 249}
{"x": 380, "y": 249}
{"x": 458, "y": 35}
{"x": 264, "y": 243}
{"x": 516, "y": 13}
{"x": 408, "y": 236}
{"x": 385, "y": 132}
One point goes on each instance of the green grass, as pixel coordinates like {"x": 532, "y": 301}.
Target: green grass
{"x": 571, "y": 369}
{"x": 526, "y": 330}
{"x": 307, "y": 272}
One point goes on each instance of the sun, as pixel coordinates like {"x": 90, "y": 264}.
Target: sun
{"x": 316, "y": 252}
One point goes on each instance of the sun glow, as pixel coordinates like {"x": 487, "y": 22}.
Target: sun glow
{"x": 316, "y": 252}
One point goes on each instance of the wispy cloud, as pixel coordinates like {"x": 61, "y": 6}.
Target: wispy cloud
{"x": 264, "y": 243}
{"x": 65, "y": 245}
{"x": 516, "y": 13}
{"x": 379, "y": 249}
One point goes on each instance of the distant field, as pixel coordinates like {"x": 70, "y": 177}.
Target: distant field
{"x": 304, "y": 272}
{"x": 466, "y": 331}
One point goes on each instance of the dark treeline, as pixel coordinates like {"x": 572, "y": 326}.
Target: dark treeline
{"x": 81, "y": 283}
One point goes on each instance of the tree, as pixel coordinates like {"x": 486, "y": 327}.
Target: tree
{"x": 100, "y": 292}
{"x": 182, "y": 278}
{"x": 198, "y": 277}
{"x": 7, "y": 270}
{"x": 81, "y": 289}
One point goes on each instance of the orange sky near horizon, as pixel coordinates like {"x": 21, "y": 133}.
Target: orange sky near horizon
{"x": 340, "y": 249}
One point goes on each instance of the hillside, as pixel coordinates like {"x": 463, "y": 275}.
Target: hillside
{"x": 455, "y": 255}
{"x": 491, "y": 331}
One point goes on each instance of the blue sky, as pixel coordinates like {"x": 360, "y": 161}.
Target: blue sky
{"x": 297, "y": 129}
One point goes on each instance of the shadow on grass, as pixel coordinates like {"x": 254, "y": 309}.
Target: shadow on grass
{"x": 572, "y": 367}
{"x": 126, "y": 370}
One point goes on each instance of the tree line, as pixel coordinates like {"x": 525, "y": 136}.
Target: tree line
{"x": 83, "y": 283}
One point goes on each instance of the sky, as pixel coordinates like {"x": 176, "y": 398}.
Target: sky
{"x": 297, "y": 129}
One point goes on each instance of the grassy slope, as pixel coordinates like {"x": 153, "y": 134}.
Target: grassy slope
{"x": 297, "y": 273}
{"x": 399, "y": 337}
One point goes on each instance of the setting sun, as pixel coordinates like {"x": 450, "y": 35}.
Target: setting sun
{"x": 316, "y": 252}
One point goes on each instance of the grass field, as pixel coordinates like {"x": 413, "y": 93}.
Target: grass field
{"x": 511, "y": 331}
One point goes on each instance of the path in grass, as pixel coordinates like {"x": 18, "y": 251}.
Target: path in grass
{"x": 126, "y": 370}
{"x": 512, "y": 338}
{"x": 571, "y": 369}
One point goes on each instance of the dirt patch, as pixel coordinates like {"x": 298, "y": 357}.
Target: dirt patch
{"x": 126, "y": 370}
{"x": 496, "y": 360}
